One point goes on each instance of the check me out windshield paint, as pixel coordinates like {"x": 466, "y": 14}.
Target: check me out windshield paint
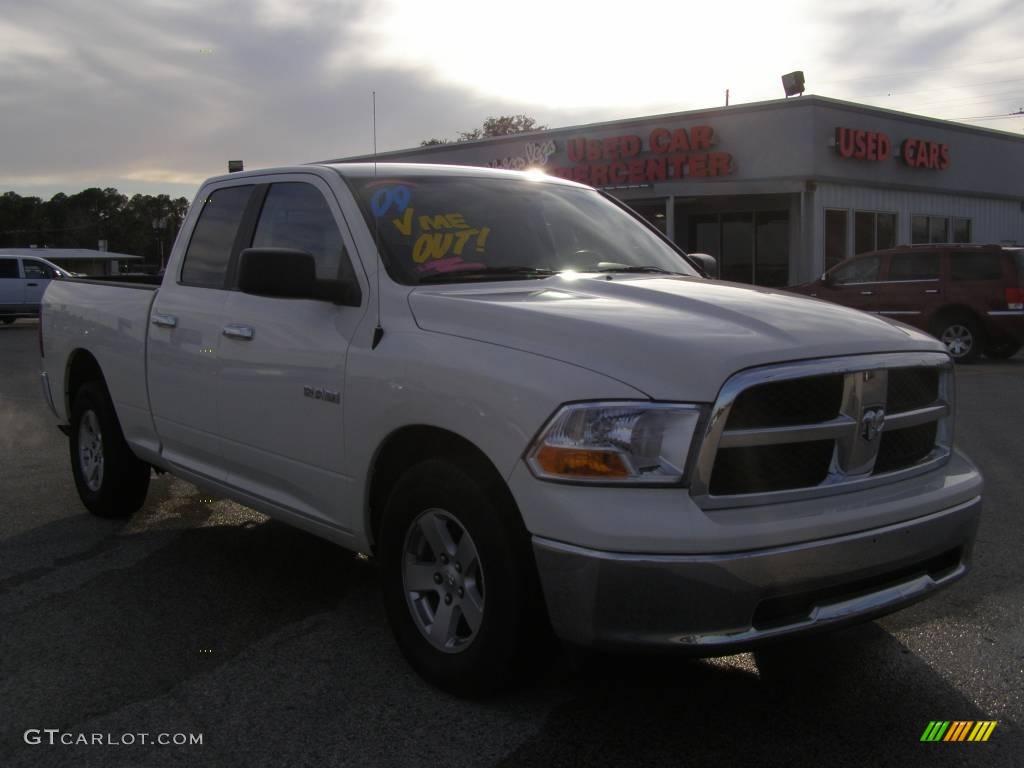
{"x": 443, "y": 226}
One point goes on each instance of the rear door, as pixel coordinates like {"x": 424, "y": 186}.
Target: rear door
{"x": 283, "y": 361}
{"x": 10, "y": 286}
{"x": 37, "y": 276}
{"x": 185, "y": 334}
{"x": 912, "y": 289}
{"x": 978, "y": 279}
{"x": 854, "y": 283}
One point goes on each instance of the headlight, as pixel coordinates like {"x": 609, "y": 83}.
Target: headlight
{"x": 615, "y": 442}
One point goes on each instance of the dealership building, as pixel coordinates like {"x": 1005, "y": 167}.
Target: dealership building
{"x": 779, "y": 191}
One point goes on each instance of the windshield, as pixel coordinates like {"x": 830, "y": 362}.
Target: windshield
{"x": 435, "y": 229}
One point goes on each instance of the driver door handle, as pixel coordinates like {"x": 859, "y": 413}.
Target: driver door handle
{"x": 931, "y": 290}
{"x": 32, "y": 285}
{"x": 867, "y": 293}
{"x": 164, "y": 321}
{"x": 236, "y": 331}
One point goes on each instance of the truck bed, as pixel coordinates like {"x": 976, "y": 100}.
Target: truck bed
{"x": 106, "y": 319}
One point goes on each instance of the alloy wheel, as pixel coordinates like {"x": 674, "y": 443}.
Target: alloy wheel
{"x": 90, "y": 450}
{"x": 958, "y": 340}
{"x": 443, "y": 580}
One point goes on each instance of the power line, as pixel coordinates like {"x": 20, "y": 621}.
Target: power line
{"x": 938, "y": 90}
{"x": 917, "y": 71}
{"x": 1010, "y": 96}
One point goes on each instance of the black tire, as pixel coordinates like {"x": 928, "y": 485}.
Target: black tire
{"x": 119, "y": 487}
{"x": 1003, "y": 349}
{"x": 962, "y": 337}
{"x": 512, "y": 629}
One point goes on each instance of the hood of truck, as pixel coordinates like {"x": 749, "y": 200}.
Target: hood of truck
{"x": 674, "y": 338}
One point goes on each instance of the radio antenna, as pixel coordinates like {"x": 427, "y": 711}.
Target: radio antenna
{"x": 378, "y": 330}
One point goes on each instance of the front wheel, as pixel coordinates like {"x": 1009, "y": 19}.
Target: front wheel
{"x": 460, "y": 585}
{"x": 111, "y": 481}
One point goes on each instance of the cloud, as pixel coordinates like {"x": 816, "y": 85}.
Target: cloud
{"x": 143, "y": 93}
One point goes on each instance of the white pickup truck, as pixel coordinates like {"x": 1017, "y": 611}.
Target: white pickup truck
{"x": 530, "y": 406}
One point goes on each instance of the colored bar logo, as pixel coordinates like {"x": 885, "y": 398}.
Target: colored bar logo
{"x": 958, "y": 730}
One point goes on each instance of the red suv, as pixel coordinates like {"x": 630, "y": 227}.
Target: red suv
{"x": 971, "y": 297}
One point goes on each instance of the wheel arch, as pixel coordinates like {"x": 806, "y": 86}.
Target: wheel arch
{"x": 948, "y": 311}
{"x": 81, "y": 367}
{"x": 410, "y": 444}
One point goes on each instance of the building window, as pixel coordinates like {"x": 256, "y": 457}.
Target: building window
{"x": 835, "y": 236}
{"x": 652, "y": 210}
{"x": 935, "y": 229}
{"x": 751, "y": 246}
{"x": 873, "y": 231}
{"x": 961, "y": 230}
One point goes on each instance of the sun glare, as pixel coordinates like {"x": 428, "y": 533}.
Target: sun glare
{"x": 585, "y": 56}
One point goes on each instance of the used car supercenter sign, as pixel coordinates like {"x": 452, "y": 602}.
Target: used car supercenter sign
{"x": 629, "y": 159}
{"x": 875, "y": 145}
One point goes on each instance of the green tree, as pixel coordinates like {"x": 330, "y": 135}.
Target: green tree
{"x": 144, "y": 225}
{"x": 504, "y": 125}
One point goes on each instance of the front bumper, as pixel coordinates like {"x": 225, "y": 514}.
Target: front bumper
{"x": 716, "y": 604}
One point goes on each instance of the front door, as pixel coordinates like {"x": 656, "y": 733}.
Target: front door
{"x": 853, "y": 283}
{"x": 282, "y": 387}
{"x": 37, "y": 277}
{"x": 912, "y": 290}
{"x": 185, "y": 335}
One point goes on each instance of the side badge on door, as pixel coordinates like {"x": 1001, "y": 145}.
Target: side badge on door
{"x": 322, "y": 394}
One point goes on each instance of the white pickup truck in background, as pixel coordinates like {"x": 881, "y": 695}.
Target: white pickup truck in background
{"x": 529, "y": 405}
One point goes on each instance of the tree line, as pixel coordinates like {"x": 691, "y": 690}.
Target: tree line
{"x": 504, "y": 125}
{"x": 140, "y": 225}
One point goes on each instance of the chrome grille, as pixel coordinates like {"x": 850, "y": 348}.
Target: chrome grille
{"x": 818, "y": 427}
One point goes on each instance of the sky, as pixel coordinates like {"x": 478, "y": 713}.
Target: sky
{"x": 153, "y": 96}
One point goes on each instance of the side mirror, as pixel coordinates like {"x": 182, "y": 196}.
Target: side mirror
{"x": 827, "y": 279}
{"x": 286, "y": 273}
{"x": 708, "y": 264}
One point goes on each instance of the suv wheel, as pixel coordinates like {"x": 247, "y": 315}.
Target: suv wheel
{"x": 1002, "y": 350}
{"x": 459, "y": 582}
{"x": 961, "y": 336}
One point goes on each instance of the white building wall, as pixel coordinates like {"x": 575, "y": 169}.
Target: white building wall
{"x": 992, "y": 221}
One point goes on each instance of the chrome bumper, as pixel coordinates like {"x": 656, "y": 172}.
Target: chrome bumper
{"x": 717, "y": 604}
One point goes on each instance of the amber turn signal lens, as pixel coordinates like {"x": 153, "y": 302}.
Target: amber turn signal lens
{"x": 575, "y": 462}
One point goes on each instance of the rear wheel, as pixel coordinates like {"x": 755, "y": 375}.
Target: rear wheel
{"x": 961, "y": 336}
{"x": 1002, "y": 350}
{"x": 460, "y": 586}
{"x": 110, "y": 480}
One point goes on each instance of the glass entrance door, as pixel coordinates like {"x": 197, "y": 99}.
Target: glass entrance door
{"x": 751, "y": 246}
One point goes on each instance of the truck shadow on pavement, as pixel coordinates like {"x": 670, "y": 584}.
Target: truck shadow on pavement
{"x": 253, "y": 621}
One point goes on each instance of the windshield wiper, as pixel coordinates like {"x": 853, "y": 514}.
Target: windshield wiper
{"x": 626, "y": 268}
{"x": 495, "y": 272}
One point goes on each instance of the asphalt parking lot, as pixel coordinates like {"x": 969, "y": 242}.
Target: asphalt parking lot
{"x": 199, "y": 616}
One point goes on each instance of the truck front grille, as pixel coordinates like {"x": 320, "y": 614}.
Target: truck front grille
{"x": 794, "y": 430}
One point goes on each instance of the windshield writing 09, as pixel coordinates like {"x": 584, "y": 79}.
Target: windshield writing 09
{"x": 451, "y": 226}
